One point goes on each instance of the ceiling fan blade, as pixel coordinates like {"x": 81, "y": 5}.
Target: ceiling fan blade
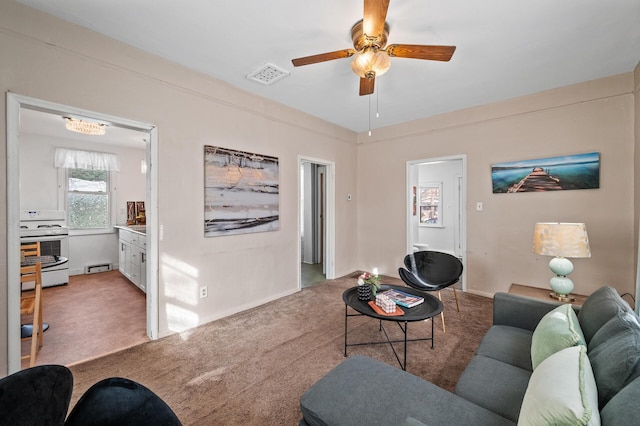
{"x": 367, "y": 86}
{"x": 418, "y": 51}
{"x": 375, "y": 14}
{"x": 322, "y": 57}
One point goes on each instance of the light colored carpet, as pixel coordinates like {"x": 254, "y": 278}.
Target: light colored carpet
{"x": 252, "y": 367}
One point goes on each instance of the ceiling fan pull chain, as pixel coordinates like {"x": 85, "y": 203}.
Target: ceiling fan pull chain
{"x": 378, "y": 102}
{"x": 369, "y": 115}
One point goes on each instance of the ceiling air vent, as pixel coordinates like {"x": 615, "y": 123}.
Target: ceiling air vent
{"x": 268, "y": 74}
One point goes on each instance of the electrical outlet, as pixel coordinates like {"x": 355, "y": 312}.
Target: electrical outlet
{"x": 203, "y": 292}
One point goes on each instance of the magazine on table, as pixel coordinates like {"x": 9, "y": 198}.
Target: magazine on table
{"x": 403, "y": 299}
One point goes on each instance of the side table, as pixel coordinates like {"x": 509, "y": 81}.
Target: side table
{"x": 542, "y": 293}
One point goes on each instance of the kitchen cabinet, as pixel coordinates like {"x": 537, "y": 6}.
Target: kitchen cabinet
{"x": 133, "y": 256}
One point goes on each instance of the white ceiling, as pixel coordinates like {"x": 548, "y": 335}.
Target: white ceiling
{"x": 51, "y": 124}
{"x": 505, "y": 48}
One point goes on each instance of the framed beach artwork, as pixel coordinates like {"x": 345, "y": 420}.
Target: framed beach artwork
{"x": 579, "y": 171}
{"x": 241, "y": 192}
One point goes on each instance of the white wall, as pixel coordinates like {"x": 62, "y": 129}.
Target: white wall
{"x": 445, "y": 173}
{"x": 307, "y": 224}
{"x": 39, "y": 191}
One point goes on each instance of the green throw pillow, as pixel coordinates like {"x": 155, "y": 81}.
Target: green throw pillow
{"x": 557, "y": 330}
{"x": 561, "y": 391}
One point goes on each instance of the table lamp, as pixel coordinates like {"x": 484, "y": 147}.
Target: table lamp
{"x": 561, "y": 240}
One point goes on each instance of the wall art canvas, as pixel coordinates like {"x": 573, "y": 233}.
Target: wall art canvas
{"x": 136, "y": 214}
{"x": 580, "y": 171}
{"x": 241, "y": 192}
{"x": 131, "y": 212}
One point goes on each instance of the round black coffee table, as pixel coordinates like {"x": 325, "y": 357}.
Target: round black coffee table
{"x": 428, "y": 309}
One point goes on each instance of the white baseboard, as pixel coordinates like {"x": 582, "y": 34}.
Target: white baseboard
{"x": 480, "y": 293}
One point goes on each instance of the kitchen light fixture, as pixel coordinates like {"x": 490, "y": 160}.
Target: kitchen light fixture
{"x": 86, "y": 127}
{"x": 561, "y": 240}
{"x": 370, "y": 62}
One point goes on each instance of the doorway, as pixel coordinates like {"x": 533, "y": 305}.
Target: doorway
{"x": 436, "y": 217}
{"x": 17, "y": 105}
{"x": 316, "y": 221}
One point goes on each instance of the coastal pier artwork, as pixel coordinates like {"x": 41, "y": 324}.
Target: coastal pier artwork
{"x": 581, "y": 171}
{"x": 241, "y": 193}
{"x": 537, "y": 180}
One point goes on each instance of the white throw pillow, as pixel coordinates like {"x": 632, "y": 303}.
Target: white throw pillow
{"x": 561, "y": 391}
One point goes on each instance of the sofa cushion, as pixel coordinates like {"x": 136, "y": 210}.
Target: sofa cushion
{"x": 562, "y": 391}
{"x": 614, "y": 352}
{"x": 623, "y": 409}
{"x": 494, "y": 385}
{"x": 602, "y": 305}
{"x": 363, "y": 391}
{"x": 507, "y": 344}
{"x": 557, "y": 330}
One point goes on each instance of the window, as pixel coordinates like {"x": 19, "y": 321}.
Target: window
{"x": 430, "y": 201}
{"x": 86, "y": 189}
{"x": 87, "y": 199}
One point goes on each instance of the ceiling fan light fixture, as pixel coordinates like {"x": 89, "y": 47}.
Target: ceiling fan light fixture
{"x": 86, "y": 127}
{"x": 370, "y": 63}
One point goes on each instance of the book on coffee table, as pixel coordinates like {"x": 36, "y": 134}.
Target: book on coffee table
{"x": 403, "y": 299}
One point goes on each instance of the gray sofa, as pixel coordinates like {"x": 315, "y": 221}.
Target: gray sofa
{"x": 587, "y": 365}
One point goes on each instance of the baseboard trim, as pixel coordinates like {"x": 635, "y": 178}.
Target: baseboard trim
{"x": 480, "y": 293}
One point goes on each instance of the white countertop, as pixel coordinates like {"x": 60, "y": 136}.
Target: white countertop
{"x": 138, "y": 229}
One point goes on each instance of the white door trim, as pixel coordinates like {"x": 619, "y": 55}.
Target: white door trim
{"x": 330, "y": 230}
{"x": 14, "y": 103}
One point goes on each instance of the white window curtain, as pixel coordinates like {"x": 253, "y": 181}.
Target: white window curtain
{"x": 90, "y": 160}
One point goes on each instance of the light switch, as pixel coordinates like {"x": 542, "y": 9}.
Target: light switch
{"x": 479, "y": 206}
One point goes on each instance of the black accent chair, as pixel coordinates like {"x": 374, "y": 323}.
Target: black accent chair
{"x": 36, "y": 396}
{"x": 122, "y": 402}
{"x": 432, "y": 271}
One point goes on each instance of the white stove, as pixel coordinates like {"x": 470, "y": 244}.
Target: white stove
{"x": 35, "y": 223}
{"x": 49, "y": 227}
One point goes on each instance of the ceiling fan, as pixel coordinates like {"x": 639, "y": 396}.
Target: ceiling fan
{"x": 369, "y": 37}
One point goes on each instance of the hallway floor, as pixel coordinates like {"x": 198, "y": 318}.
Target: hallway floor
{"x": 311, "y": 274}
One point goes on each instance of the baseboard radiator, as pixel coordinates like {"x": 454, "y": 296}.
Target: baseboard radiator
{"x": 102, "y": 267}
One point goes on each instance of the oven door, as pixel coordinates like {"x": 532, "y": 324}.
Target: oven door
{"x": 52, "y": 245}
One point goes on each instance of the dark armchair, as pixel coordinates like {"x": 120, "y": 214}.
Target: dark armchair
{"x": 121, "y": 402}
{"x": 36, "y": 396}
{"x": 432, "y": 271}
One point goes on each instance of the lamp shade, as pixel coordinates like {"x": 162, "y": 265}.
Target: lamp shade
{"x": 370, "y": 63}
{"x": 561, "y": 239}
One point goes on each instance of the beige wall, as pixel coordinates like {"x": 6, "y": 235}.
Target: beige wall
{"x": 46, "y": 58}
{"x": 592, "y": 116}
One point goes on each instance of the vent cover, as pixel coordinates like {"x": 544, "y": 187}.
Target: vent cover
{"x": 92, "y": 269}
{"x": 268, "y": 74}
